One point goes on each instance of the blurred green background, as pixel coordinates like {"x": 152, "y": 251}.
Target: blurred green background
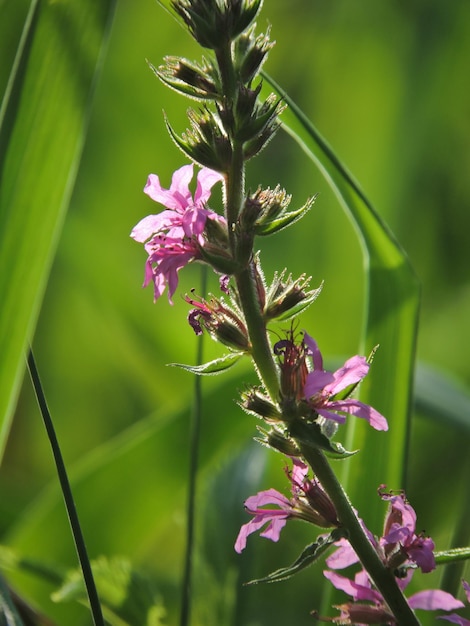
{"x": 387, "y": 85}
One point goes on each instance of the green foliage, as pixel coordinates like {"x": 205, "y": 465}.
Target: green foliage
{"x": 43, "y": 119}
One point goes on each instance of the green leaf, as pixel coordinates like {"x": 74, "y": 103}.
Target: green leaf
{"x": 309, "y": 555}
{"x": 391, "y": 320}
{"x": 43, "y": 123}
{"x": 212, "y": 367}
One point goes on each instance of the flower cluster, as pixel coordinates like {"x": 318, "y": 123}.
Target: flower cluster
{"x": 308, "y": 502}
{"x": 175, "y": 236}
{"x": 402, "y": 551}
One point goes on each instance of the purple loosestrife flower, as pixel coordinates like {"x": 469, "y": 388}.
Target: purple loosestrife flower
{"x": 399, "y": 545}
{"x": 173, "y": 237}
{"x": 321, "y": 387}
{"x": 360, "y": 589}
{"x": 399, "y": 541}
{"x": 308, "y": 502}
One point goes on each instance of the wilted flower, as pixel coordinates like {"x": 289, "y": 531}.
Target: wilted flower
{"x": 220, "y": 321}
{"x": 174, "y": 237}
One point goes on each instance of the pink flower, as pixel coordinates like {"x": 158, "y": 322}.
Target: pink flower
{"x": 361, "y": 591}
{"x": 400, "y": 541}
{"x": 173, "y": 237}
{"x": 399, "y": 545}
{"x": 321, "y": 387}
{"x": 309, "y": 502}
{"x": 274, "y": 518}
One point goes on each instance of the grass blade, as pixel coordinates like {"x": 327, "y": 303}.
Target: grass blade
{"x": 43, "y": 124}
{"x": 390, "y": 321}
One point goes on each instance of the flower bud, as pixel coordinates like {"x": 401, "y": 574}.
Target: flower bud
{"x": 189, "y": 78}
{"x": 215, "y": 23}
{"x": 250, "y": 53}
{"x": 256, "y": 403}
{"x": 276, "y": 440}
{"x": 286, "y": 298}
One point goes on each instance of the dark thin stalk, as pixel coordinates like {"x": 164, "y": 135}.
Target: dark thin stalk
{"x": 192, "y": 479}
{"x": 77, "y": 534}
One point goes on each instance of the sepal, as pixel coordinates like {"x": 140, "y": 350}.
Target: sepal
{"x": 249, "y": 54}
{"x": 287, "y": 297}
{"x": 205, "y": 141}
{"x": 279, "y": 441}
{"x": 255, "y": 402}
{"x": 285, "y": 219}
{"x": 214, "y": 24}
{"x": 196, "y": 81}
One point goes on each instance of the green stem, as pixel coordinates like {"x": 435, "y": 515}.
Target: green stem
{"x": 382, "y": 577}
{"x": 261, "y": 349}
{"x": 264, "y": 362}
{"x": 80, "y": 546}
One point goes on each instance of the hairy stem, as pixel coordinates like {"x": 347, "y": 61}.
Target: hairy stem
{"x": 382, "y": 577}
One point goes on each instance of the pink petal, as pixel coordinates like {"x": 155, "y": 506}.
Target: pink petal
{"x": 343, "y": 557}
{"x": 178, "y": 196}
{"x": 351, "y": 373}
{"x": 421, "y": 552}
{"x": 299, "y": 472}
{"x": 153, "y": 224}
{"x": 359, "y": 409}
{"x": 455, "y": 619}
{"x": 355, "y": 590}
{"x": 466, "y": 588}
{"x": 206, "y": 179}
{"x": 273, "y": 530}
{"x": 329, "y": 415}
{"x": 269, "y": 496}
{"x": 180, "y": 181}
{"x": 314, "y": 351}
{"x": 316, "y": 382}
{"x": 434, "y": 599}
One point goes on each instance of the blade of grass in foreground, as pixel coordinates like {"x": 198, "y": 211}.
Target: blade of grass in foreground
{"x": 43, "y": 123}
{"x": 392, "y": 294}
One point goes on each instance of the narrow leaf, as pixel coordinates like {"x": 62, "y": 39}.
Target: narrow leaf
{"x": 43, "y": 122}
{"x": 212, "y": 367}
{"x": 308, "y": 556}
